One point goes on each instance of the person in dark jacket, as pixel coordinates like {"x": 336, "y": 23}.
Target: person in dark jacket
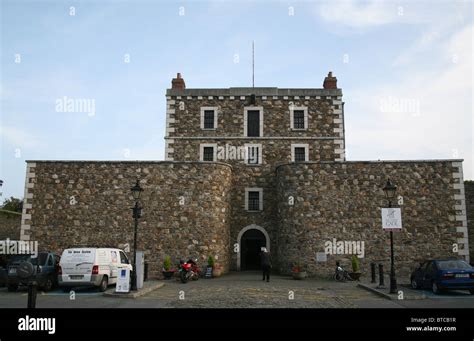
{"x": 266, "y": 262}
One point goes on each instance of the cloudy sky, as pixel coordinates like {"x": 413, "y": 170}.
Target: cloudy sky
{"x": 405, "y": 69}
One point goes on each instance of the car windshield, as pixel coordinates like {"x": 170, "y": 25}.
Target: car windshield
{"x": 453, "y": 264}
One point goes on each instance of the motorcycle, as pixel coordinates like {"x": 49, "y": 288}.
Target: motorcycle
{"x": 188, "y": 270}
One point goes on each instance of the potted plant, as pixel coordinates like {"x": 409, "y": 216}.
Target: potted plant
{"x": 355, "y": 274}
{"x": 297, "y": 272}
{"x": 167, "y": 270}
{"x": 210, "y": 267}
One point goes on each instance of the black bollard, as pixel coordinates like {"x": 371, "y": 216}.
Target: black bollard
{"x": 372, "y": 270}
{"x": 32, "y": 294}
{"x": 381, "y": 281}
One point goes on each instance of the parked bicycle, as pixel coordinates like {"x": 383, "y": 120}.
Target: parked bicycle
{"x": 340, "y": 274}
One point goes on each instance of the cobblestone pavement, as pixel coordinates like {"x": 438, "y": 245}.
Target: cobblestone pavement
{"x": 247, "y": 290}
{"x": 239, "y": 290}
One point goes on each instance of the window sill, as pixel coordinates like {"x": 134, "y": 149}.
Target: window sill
{"x": 211, "y": 129}
{"x": 248, "y": 211}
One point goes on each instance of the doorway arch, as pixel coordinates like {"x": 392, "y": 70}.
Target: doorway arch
{"x": 250, "y": 239}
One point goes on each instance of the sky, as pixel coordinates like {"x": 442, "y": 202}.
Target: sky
{"x": 405, "y": 69}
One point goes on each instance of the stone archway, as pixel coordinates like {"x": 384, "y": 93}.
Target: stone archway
{"x": 253, "y": 236}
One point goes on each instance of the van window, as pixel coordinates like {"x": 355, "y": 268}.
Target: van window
{"x": 50, "y": 260}
{"x": 123, "y": 258}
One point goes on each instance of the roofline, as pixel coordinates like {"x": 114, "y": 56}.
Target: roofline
{"x": 260, "y": 91}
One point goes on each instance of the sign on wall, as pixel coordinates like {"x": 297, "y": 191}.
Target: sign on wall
{"x": 391, "y": 219}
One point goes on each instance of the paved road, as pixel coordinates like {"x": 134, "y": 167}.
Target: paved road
{"x": 240, "y": 290}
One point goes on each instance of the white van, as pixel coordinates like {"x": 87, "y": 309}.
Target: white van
{"x": 91, "y": 267}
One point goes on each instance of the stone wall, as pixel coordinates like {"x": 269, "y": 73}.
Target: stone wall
{"x": 186, "y": 207}
{"x": 10, "y": 225}
{"x": 343, "y": 201}
{"x": 469, "y": 189}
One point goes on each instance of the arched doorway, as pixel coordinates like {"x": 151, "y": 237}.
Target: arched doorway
{"x": 251, "y": 239}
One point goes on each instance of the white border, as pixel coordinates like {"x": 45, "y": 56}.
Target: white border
{"x": 292, "y": 118}
{"x": 260, "y": 198}
{"x": 300, "y": 145}
{"x": 201, "y": 151}
{"x": 239, "y": 240}
{"x": 216, "y": 112}
{"x": 260, "y": 152}
{"x": 246, "y": 109}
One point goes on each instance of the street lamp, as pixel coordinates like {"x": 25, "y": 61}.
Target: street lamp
{"x": 137, "y": 213}
{"x": 390, "y": 190}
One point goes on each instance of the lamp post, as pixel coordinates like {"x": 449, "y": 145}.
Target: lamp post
{"x": 390, "y": 190}
{"x": 137, "y": 213}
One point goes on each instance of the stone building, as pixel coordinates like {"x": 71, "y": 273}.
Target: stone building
{"x": 245, "y": 168}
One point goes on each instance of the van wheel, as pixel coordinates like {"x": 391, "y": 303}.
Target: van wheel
{"x": 48, "y": 285}
{"x": 104, "y": 284}
{"x": 66, "y": 289}
{"x": 471, "y": 291}
{"x": 12, "y": 287}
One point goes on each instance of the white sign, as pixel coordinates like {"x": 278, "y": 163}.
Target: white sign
{"x": 321, "y": 257}
{"x": 123, "y": 281}
{"x": 391, "y": 219}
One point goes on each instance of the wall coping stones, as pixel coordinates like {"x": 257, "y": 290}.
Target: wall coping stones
{"x": 261, "y": 91}
{"x": 368, "y": 162}
{"x": 133, "y": 161}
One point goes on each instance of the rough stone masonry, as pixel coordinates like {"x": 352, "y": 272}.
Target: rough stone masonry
{"x": 246, "y": 168}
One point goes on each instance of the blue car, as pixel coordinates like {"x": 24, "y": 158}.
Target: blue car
{"x": 443, "y": 274}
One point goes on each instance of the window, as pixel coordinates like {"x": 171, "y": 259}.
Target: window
{"x": 209, "y": 118}
{"x": 123, "y": 258}
{"x": 298, "y": 118}
{"x": 253, "y": 121}
{"x": 50, "y": 260}
{"x": 299, "y": 152}
{"x": 254, "y": 199}
{"x": 208, "y": 152}
{"x": 253, "y": 154}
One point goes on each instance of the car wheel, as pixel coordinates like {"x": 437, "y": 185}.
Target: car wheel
{"x": 12, "y": 287}
{"x": 104, "y": 284}
{"x": 435, "y": 288}
{"x": 66, "y": 289}
{"x": 48, "y": 285}
{"x": 414, "y": 284}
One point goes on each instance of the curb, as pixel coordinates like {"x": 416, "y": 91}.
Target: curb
{"x": 135, "y": 294}
{"x": 388, "y": 296}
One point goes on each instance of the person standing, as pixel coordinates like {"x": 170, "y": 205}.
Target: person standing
{"x": 266, "y": 262}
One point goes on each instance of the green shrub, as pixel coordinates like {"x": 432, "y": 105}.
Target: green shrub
{"x": 167, "y": 263}
{"x": 355, "y": 263}
{"x": 210, "y": 261}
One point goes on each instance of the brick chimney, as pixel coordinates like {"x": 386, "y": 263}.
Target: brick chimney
{"x": 330, "y": 82}
{"x": 178, "y": 83}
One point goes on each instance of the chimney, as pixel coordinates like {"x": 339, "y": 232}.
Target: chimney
{"x": 330, "y": 82}
{"x": 178, "y": 83}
